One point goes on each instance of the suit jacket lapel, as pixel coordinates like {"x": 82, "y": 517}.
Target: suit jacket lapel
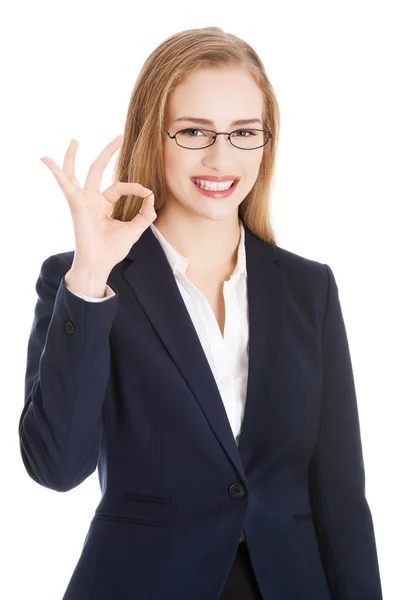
{"x": 151, "y": 279}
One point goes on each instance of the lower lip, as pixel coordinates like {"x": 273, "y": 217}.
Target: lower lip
{"x": 218, "y": 193}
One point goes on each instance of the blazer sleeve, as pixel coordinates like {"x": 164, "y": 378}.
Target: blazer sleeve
{"x": 342, "y": 516}
{"x": 67, "y": 370}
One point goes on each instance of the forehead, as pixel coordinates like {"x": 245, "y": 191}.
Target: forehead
{"x": 216, "y": 97}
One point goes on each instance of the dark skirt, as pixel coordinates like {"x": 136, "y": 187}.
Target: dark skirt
{"x": 241, "y": 583}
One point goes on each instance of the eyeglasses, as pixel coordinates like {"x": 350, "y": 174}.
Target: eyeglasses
{"x": 254, "y": 138}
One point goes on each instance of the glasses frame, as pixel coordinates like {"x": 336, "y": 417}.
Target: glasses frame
{"x": 173, "y": 137}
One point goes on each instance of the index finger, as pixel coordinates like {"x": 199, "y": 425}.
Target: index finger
{"x": 97, "y": 168}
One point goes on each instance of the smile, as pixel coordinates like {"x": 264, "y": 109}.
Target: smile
{"x": 214, "y": 185}
{"x": 214, "y": 189}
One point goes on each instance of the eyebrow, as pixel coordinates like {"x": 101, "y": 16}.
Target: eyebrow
{"x": 208, "y": 122}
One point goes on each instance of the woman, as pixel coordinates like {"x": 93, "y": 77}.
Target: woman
{"x": 202, "y": 368}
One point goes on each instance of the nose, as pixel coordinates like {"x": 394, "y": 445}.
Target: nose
{"x": 219, "y": 148}
{"x": 222, "y": 139}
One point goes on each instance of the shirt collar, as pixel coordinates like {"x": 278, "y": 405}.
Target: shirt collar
{"x": 180, "y": 263}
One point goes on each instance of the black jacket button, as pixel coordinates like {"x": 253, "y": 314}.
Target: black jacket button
{"x": 69, "y": 327}
{"x": 237, "y": 490}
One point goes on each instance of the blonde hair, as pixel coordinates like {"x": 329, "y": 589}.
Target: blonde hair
{"x": 141, "y": 158}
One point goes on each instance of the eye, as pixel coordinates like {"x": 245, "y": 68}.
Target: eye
{"x": 185, "y": 132}
{"x": 251, "y": 132}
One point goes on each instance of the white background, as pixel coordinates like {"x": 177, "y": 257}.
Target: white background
{"x": 68, "y": 69}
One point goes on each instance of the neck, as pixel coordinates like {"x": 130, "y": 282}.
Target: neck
{"x": 210, "y": 246}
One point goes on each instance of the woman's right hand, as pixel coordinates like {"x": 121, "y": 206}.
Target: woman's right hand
{"x": 100, "y": 241}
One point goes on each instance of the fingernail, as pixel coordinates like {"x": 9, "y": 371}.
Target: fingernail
{"x": 147, "y": 190}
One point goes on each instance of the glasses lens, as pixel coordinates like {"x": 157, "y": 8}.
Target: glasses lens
{"x": 246, "y": 139}
{"x": 249, "y": 138}
{"x": 194, "y": 138}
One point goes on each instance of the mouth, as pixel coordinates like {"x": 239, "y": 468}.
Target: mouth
{"x": 214, "y": 193}
{"x": 212, "y": 181}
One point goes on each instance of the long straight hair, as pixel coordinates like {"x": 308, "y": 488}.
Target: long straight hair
{"x": 141, "y": 155}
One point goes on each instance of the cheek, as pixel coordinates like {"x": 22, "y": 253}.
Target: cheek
{"x": 168, "y": 160}
{"x": 178, "y": 168}
{"x": 170, "y": 167}
{"x": 251, "y": 168}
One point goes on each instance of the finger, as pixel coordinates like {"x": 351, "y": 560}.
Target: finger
{"x": 66, "y": 186}
{"x": 123, "y": 188}
{"x": 69, "y": 160}
{"x": 145, "y": 216}
{"x": 96, "y": 170}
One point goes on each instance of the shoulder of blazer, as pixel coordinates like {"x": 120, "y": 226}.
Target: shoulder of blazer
{"x": 290, "y": 260}
{"x": 307, "y": 276}
{"x": 308, "y": 280}
{"x": 287, "y": 260}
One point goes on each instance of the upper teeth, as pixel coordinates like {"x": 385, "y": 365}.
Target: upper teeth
{"x": 214, "y": 185}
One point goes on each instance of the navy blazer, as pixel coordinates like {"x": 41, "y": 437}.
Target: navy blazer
{"x": 124, "y": 385}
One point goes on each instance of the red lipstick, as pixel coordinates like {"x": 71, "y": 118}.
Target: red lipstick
{"x": 217, "y": 193}
{"x": 211, "y": 178}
